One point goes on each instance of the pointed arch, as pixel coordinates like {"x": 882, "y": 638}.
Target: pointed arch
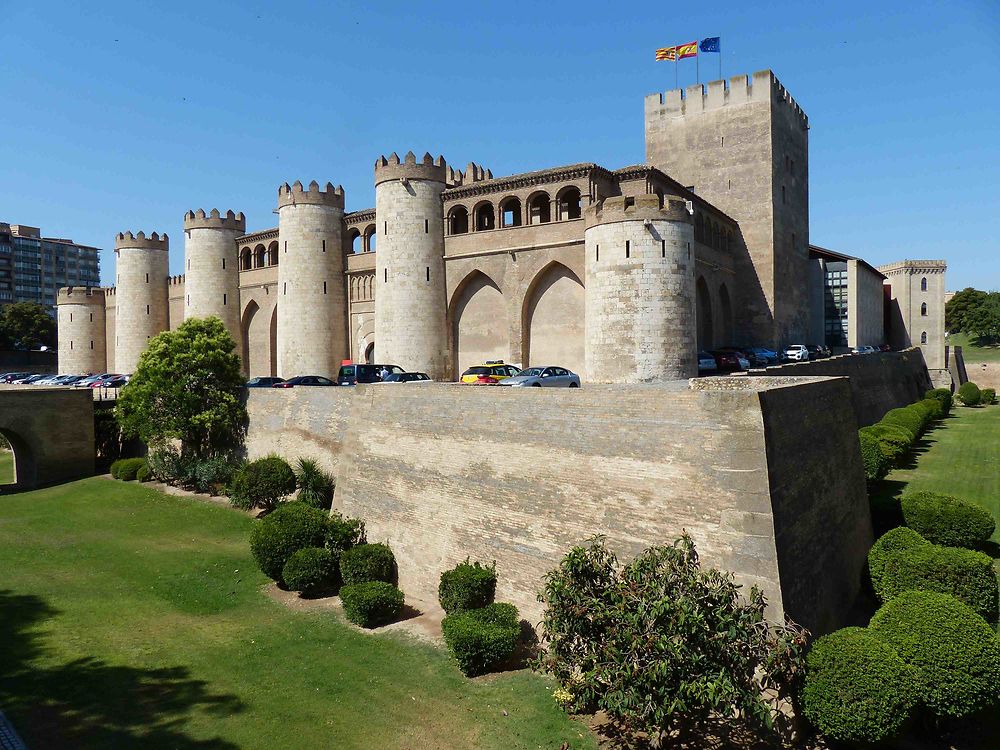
{"x": 478, "y": 322}
{"x": 725, "y": 316}
{"x": 706, "y": 337}
{"x": 273, "y": 342}
{"x": 25, "y": 465}
{"x": 552, "y": 319}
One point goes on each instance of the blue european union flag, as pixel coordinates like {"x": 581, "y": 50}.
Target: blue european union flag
{"x": 711, "y": 44}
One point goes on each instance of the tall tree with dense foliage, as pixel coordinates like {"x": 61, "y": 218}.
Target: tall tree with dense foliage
{"x": 26, "y": 325}
{"x": 188, "y": 387}
{"x": 974, "y": 312}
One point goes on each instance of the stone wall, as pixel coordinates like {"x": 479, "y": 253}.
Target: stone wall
{"x": 442, "y": 472}
{"x": 879, "y": 382}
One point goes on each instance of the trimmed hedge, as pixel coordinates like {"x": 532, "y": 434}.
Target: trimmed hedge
{"x": 262, "y": 483}
{"x": 934, "y": 407}
{"x": 311, "y": 571}
{"x": 964, "y": 573}
{"x": 907, "y": 417}
{"x": 371, "y": 604}
{"x": 126, "y": 469}
{"x": 365, "y": 563}
{"x": 275, "y": 538}
{"x": 874, "y": 460}
{"x": 987, "y": 396}
{"x": 947, "y": 520}
{"x": 943, "y": 395}
{"x": 482, "y": 639}
{"x": 467, "y": 587}
{"x": 857, "y": 690}
{"x": 955, "y": 652}
{"x": 891, "y": 542}
{"x": 894, "y": 441}
{"x": 143, "y": 474}
{"x": 969, "y": 394}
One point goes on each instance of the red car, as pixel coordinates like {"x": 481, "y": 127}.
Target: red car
{"x": 726, "y": 361}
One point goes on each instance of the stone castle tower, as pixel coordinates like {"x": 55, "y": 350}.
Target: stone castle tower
{"x": 640, "y": 290}
{"x": 916, "y": 307}
{"x": 410, "y": 304}
{"x": 312, "y": 302}
{"x": 212, "y": 268}
{"x": 141, "y": 297}
{"x": 81, "y": 321}
{"x": 745, "y": 147}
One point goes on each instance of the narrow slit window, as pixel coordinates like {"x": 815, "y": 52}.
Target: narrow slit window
{"x": 286, "y": 246}
{"x": 385, "y": 227}
{"x": 663, "y": 248}
{"x": 147, "y": 309}
{"x": 628, "y": 249}
{"x": 71, "y": 317}
{"x": 284, "y": 287}
{"x": 385, "y": 277}
{"x": 147, "y": 275}
{"x": 598, "y": 253}
{"x": 91, "y": 344}
{"x": 427, "y": 226}
{"x": 223, "y": 264}
{"x": 92, "y": 317}
{"x": 324, "y": 287}
{"x": 224, "y": 299}
{"x": 70, "y": 344}
{"x": 324, "y": 246}
{"x": 428, "y": 273}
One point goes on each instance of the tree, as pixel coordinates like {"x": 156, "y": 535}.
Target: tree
{"x": 26, "y": 325}
{"x": 187, "y": 386}
{"x": 983, "y": 320}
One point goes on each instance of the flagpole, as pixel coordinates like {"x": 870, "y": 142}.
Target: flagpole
{"x": 676, "y": 82}
{"x": 697, "y": 74}
{"x": 720, "y": 58}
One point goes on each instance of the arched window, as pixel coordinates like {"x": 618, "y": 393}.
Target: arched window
{"x": 458, "y": 220}
{"x": 258, "y": 256}
{"x": 923, "y": 284}
{"x": 569, "y": 204}
{"x": 485, "y": 217}
{"x": 356, "y": 241}
{"x": 272, "y": 254}
{"x": 923, "y": 337}
{"x": 699, "y": 235}
{"x": 369, "y": 241}
{"x": 510, "y": 212}
{"x": 246, "y": 259}
{"x": 539, "y": 210}
{"x": 923, "y": 308}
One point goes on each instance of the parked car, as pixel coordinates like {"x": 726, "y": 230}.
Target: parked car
{"x": 726, "y": 361}
{"x": 103, "y": 380}
{"x": 706, "y": 363}
{"x": 364, "y": 373}
{"x": 89, "y": 381}
{"x": 10, "y": 377}
{"x": 746, "y": 357}
{"x": 864, "y": 350}
{"x": 29, "y": 379}
{"x": 118, "y": 382}
{"x": 769, "y": 356}
{"x": 815, "y": 351}
{"x": 887, "y": 348}
{"x": 797, "y": 353}
{"x": 263, "y": 381}
{"x": 304, "y": 380}
{"x": 543, "y": 377}
{"x": 490, "y": 373}
{"x": 407, "y": 377}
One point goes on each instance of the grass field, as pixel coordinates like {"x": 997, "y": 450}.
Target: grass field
{"x": 960, "y": 457}
{"x": 129, "y": 618}
{"x": 6, "y": 467}
{"x": 971, "y": 353}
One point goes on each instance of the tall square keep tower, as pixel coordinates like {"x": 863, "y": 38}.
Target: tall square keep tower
{"x": 744, "y": 146}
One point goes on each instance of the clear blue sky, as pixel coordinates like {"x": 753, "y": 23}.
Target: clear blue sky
{"x": 124, "y": 115}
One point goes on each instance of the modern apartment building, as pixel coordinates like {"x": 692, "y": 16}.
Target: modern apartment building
{"x": 33, "y": 267}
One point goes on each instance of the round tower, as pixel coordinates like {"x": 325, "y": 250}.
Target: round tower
{"x": 410, "y": 299}
{"x": 212, "y": 268}
{"x": 640, "y": 290}
{"x": 142, "y": 264}
{"x": 81, "y": 324}
{"x": 312, "y": 301}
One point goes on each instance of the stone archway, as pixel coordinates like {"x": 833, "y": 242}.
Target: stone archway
{"x": 706, "y": 335}
{"x": 554, "y": 312}
{"x": 480, "y": 328}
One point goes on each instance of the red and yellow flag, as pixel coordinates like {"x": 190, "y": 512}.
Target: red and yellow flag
{"x": 666, "y": 53}
{"x": 687, "y": 50}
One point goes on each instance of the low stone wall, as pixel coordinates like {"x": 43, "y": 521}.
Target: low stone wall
{"x": 764, "y": 474}
{"x": 879, "y": 382}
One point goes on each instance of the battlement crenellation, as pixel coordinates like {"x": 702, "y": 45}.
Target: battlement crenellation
{"x": 214, "y": 220}
{"x": 140, "y": 241}
{"x": 620, "y": 208}
{"x": 428, "y": 168}
{"x": 80, "y": 295}
{"x": 295, "y": 194}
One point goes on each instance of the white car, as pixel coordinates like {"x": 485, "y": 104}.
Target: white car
{"x": 864, "y": 350}
{"x": 797, "y": 353}
{"x": 706, "y": 363}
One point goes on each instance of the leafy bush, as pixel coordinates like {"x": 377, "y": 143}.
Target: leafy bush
{"x": 907, "y": 418}
{"x": 311, "y": 571}
{"x": 127, "y": 468}
{"x": 887, "y": 545}
{"x": 893, "y": 441}
{"x": 947, "y": 520}
{"x": 857, "y": 690}
{"x": 661, "y": 641}
{"x": 143, "y": 474}
{"x": 934, "y": 407}
{"x": 873, "y": 459}
{"x": 371, "y": 604}
{"x": 262, "y": 484}
{"x": 955, "y": 652}
{"x": 467, "y": 587}
{"x": 987, "y": 396}
{"x": 364, "y": 563}
{"x": 315, "y": 485}
{"x": 482, "y": 639}
{"x": 213, "y": 475}
{"x": 275, "y": 538}
{"x": 969, "y": 394}
{"x": 168, "y": 465}
{"x": 943, "y": 395}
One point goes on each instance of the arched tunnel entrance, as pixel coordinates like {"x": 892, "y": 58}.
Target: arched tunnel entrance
{"x": 17, "y": 463}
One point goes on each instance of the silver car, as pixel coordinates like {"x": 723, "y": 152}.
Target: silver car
{"x": 547, "y": 377}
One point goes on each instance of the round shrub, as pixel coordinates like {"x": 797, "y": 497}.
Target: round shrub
{"x": 955, "y": 652}
{"x": 857, "y": 690}
{"x": 969, "y": 394}
{"x": 906, "y": 417}
{"x": 143, "y": 474}
{"x": 943, "y": 395}
{"x": 987, "y": 396}
{"x": 875, "y": 463}
{"x": 934, "y": 408}
{"x": 482, "y": 639}
{"x": 343, "y": 533}
{"x": 311, "y": 571}
{"x": 467, "y": 587}
{"x": 364, "y": 563}
{"x": 127, "y": 468}
{"x": 262, "y": 483}
{"x": 964, "y": 573}
{"x": 887, "y": 545}
{"x": 893, "y": 441}
{"x": 371, "y": 604}
{"x": 275, "y": 538}
{"x": 947, "y": 520}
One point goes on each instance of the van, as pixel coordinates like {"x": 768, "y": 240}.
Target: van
{"x": 360, "y": 373}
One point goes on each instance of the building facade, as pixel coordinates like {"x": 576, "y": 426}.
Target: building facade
{"x": 915, "y": 294}
{"x": 33, "y": 268}
{"x": 846, "y": 300}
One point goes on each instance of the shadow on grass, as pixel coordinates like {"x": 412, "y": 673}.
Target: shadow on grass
{"x": 90, "y": 703}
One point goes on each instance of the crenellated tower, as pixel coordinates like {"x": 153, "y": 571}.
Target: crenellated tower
{"x": 211, "y": 268}
{"x": 640, "y": 290}
{"x": 312, "y": 300}
{"x": 81, "y": 320}
{"x": 410, "y": 303}
{"x": 141, "y": 269}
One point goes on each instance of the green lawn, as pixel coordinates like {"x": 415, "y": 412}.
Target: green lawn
{"x": 6, "y": 467}
{"x": 971, "y": 353}
{"x": 129, "y": 618}
{"x": 959, "y": 457}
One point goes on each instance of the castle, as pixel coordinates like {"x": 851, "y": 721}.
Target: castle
{"x": 621, "y": 275}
